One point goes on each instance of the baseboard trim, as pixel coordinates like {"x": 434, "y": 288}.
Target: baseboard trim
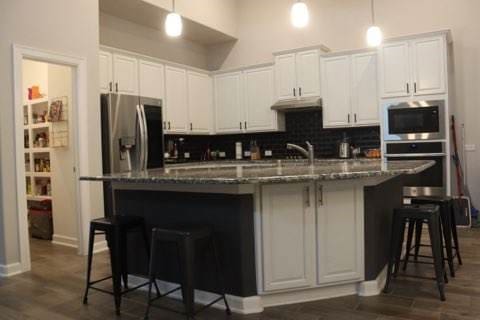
{"x": 10, "y": 270}
{"x": 65, "y": 241}
{"x": 241, "y": 305}
{"x": 100, "y": 246}
{"x": 373, "y": 287}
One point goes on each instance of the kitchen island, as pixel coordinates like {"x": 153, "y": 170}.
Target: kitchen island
{"x": 287, "y": 231}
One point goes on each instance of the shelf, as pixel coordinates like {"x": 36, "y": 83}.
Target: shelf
{"x": 39, "y": 100}
{"x": 41, "y": 174}
{"x": 40, "y": 150}
{"x": 38, "y": 198}
{"x": 40, "y": 125}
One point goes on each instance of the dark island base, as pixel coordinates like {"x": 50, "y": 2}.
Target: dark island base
{"x": 231, "y": 218}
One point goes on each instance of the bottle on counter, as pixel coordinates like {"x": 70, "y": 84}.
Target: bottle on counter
{"x": 254, "y": 151}
{"x": 238, "y": 150}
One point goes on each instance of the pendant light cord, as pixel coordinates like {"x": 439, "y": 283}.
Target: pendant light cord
{"x": 372, "y": 2}
{"x": 173, "y": 5}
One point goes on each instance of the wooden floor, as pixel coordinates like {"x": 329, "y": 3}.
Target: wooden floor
{"x": 53, "y": 289}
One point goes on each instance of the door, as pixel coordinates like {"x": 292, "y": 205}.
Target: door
{"x": 229, "y": 112}
{"x": 258, "y": 99}
{"x": 106, "y": 72}
{"x": 339, "y": 233}
{"x": 151, "y": 79}
{"x": 154, "y": 150}
{"x": 125, "y": 74}
{"x": 308, "y": 73}
{"x": 336, "y": 92}
{"x": 288, "y": 236}
{"x": 394, "y": 75}
{"x": 364, "y": 89}
{"x": 285, "y": 77}
{"x": 176, "y": 99}
{"x": 428, "y": 57}
{"x": 200, "y": 102}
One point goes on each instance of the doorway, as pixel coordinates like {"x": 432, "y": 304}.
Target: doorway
{"x": 53, "y": 208}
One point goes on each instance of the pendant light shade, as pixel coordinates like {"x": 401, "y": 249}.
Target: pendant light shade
{"x": 374, "y": 34}
{"x": 299, "y": 14}
{"x": 173, "y": 23}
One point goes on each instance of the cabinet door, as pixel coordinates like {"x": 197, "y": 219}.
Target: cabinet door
{"x": 151, "y": 79}
{"x": 258, "y": 99}
{"x": 288, "y": 235}
{"x": 200, "y": 102}
{"x": 336, "y": 92}
{"x": 285, "y": 77}
{"x": 229, "y": 112}
{"x": 394, "y": 75}
{"x": 106, "y": 73}
{"x": 364, "y": 89}
{"x": 176, "y": 99}
{"x": 428, "y": 57}
{"x": 339, "y": 233}
{"x": 308, "y": 73}
{"x": 125, "y": 74}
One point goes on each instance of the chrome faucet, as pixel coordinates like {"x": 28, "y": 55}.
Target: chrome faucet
{"x": 307, "y": 153}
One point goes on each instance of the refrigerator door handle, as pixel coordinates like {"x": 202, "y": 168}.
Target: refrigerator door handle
{"x": 145, "y": 138}
{"x": 142, "y": 137}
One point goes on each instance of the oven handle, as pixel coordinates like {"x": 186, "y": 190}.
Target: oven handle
{"x": 416, "y": 155}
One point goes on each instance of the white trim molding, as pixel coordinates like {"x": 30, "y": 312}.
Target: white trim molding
{"x": 10, "y": 270}
{"x": 65, "y": 241}
{"x": 373, "y": 287}
{"x": 100, "y": 246}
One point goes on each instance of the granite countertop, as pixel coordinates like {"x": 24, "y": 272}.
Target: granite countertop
{"x": 274, "y": 171}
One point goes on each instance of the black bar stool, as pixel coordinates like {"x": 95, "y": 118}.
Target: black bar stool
{"x": 449, "y": 228}
{"x": 184, "y": 239}
{"x": 430, "y": 214}
{"x": 116, "y": 230}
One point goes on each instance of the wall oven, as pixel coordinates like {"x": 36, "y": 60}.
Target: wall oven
{"x": 415, "y": 120}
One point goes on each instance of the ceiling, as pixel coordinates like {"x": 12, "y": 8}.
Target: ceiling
{"x": 146, "y": 14}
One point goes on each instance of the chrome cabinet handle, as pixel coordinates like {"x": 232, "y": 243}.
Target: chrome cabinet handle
{"x": 294, "y": 93}
{"x": 408, "y": 88}
{"x": 414, "y": 87}
{"x": 164, "y": 125}
{"x": 307, "y": 196}
{"x": 300, "y": 91}
{"x": 320, "y": 195}
{"x": 191, "y": 126}
{"x": 240, "y": 125}
{"x": 169, "y": 127}
{"x": 116, "y": 86}
{"x": 355, "y": 117}
{"x": 110, "y": 86}
{"x": 245, "y": 125}
{"x": 349, "y": 118}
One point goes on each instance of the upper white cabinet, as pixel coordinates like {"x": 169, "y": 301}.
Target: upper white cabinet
{"x": 259, "y": 95}
{"x": 125, "y": 74}
{"x": 339, "y": 233}
{"x": 297, "y": 75}
{"x": 106, "y": 71}
{"x": 412, "y": 68}
{"x": 151, "y": 79}
{"x": 200, "y": 102}
{"x": 176, "y": 99}
{"x": 288, "y": 236}
{"x": 228, "y": 103}
{"x": 349, "y": 88}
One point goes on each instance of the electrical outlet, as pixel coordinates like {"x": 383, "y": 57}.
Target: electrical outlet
{"x": 470, "y": 147}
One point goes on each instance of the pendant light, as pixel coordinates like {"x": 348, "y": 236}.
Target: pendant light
{"x": 374, "y": 34}
{"x": 299, "y": 15}
{"x": 173, "y": 23}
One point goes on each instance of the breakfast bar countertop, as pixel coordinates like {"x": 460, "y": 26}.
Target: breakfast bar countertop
{"x": 267, "y": 171}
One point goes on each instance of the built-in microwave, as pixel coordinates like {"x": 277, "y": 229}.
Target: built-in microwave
{"x": 414, "y": 120}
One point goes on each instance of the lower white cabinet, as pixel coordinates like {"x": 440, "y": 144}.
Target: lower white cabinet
{"x": 311, "y": 235}
{"x": 288, "y": 236}
{"x": 339, "y": 233}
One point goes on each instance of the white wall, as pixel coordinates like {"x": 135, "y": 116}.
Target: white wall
{"x": 264, "y": 27}
{"x": 60, "y": 26}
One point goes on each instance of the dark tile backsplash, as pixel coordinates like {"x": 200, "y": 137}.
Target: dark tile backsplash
{"x": 300, "y": 127}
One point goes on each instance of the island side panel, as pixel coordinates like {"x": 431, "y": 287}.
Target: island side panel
{"x": 380, "y": 201}
{"x": 230, "y": 216}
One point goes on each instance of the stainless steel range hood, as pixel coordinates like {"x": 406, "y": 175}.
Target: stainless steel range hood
{"x": 310, "y": 103}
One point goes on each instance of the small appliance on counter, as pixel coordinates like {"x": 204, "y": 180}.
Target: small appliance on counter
{"x": 344, "y": 148}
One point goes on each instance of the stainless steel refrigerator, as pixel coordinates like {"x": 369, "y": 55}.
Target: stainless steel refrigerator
{"x": 132, "y": 136}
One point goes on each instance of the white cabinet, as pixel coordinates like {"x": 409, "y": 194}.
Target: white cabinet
{"x": 259, "y": 96}
{"x": 349, "y": 88}
{"x": 288, "y": 236}
{"x": 228, "y": 103}
{"x": 125, "y": 74}
{"x": 339, "y": 233}
{"x": 200, "y": 102}
{"x": 106, "y": 72}
{"x": 297, "y": 75}
{"x": 176, "y": 99}
{"x": 151, "y": 80}
{"x": 412, "y": 68}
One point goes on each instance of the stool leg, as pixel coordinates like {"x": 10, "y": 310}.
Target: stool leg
{"x": 435, "y": 239}
{"x": 221, "y": 278}
{"x": 123, "y": 257}
{"x": 400, "y": 238}
{"x": 91, "y": 242}
{"x": 151, "y": 275}
{"x": 418, "y": 237}
{"x": 411, "y": 226}
{"x": 186, "y": 254}
{"x": 453, "y": 221}
{"x": 394, "y": 238}
{"x": 149, "y": 254}
{"x": 447, "y": 235}
{"x": 116, "y": 269}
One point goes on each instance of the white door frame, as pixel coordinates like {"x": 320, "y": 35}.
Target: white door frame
{"x": 80, "y": 129}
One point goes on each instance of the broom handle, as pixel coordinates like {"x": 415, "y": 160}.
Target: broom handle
{"x": 457, "y": 159}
